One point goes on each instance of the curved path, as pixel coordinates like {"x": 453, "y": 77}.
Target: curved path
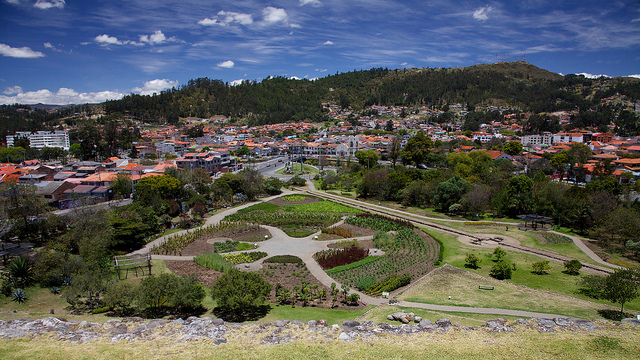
{"x": 424, "y": 220}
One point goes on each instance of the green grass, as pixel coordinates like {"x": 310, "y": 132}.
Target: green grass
{"x": 284, "y": 259}
{"x": 295, "y": 169}
{"x": 324, "y": 206}
{"x": 213, "y": 261}
{"x": 454, "y": 253}
{"x": 299, "y": 231}
{"x": 295, "y": 197}
{"x": 333, "y": 316}
{"x": 263, "y": 206}
{"x": 379, "y": 314}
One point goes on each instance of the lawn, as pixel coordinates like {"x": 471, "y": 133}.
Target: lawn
{"x": 462, "y": 287}
{"x": 325, "y": 206}
{"x": 295, "y": 169}
{"x": 454, "y": 253}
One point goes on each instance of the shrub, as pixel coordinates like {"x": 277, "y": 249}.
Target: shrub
{"x": 352, "y": 299}
{"x": 541, "y": 267}
{"x": 239, "y": 295}
{"x": 20, "y": 272}
{"x": 19, "y": 296}
{"x": 365, "y": 283}
{"x": 572, "y": 267}
{"x": 163, "y": 290}
{"x": 501, "y": 270}
{"x": 389, "y": 284}
{"x": 119, "y": 295}
{"x": 499, "y": 254}
{"x": 337, "y": 230}
{"x": 472, "y": 261}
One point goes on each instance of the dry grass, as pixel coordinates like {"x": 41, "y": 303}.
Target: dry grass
{"x": 526, "y": 344}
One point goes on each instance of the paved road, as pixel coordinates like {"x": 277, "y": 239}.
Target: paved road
{"x": 426, "y": 219}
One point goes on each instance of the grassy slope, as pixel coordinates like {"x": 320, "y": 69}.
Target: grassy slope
{"x": 557, "y": 282}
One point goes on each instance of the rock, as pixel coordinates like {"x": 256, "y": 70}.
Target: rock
{"x": 350, "y": 323}
{"x": 368, "y": 323}
{"x": 178, "y": 321}
{"x": 344, "y": 337}
{"x": 426, "y": 324}
{"x": 281, "y": 323}
{"x": 322, "y": 323}
{"x": 217, "y": 322}
{"x": 443, "y": 323}
{"x": 631, "y": 321}
{"x": 156, "y": 323}
{"x": 335, "y": 327}
{"x": 119, "y": 330}
{"x": 586, "y": 325}
{"x": 562, "y": 321}
{"x": 297, "y": 323}
{"x": 390, "y": 317}
{"x": 312, "y": 323}
{"x": 546, "y": 325}
{"x": 522, "y": 321}
{"x": 398, "y": 315}
{"x": 417, "y": 319}
{"x": 497, "y": 325}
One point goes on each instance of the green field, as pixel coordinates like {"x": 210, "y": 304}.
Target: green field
{"x": 555, "y": 281}
{"x": 295, "y": 169}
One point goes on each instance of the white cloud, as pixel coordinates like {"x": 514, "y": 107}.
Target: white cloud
{"x": 315, "y": 3}
{"x": 23, "y": 52}
{"x": 328, "y": 42}
{"x": 12, "y": 90}
{"x": 236, "y": 82}
{"x": 592, "y": 76}
{"x": 106, "y": 40}
{"x": 63, "y": 96}
{"x": 321, "y": 70}
{"x": 15, "y": 2}
{"x": 48, "y": 4}
{"x": 226, "y": 64}
{"x": 482, "y": 14}
{"x": 274, "y": 15}
{"x": 50, "y": 46}
{"x": 404, "y": 64}
{"x": 225, "y": 18}
{"x": 637, "y": 76}
{"x": 294, "y": 78}
{"x": 155, "y": 86}
{"x": 153, "y": 39}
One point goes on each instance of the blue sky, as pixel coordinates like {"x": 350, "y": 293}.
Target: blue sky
{"x": 71, "y": 51}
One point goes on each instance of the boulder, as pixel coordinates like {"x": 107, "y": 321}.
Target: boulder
{"x": 631, "y": 321}
{"x": 350, "y": 323}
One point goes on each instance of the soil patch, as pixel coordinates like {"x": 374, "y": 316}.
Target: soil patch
{"x": 290, "y": 275}
{"x": 204, "y": 275}
{"x": 203, "y": 246}
{"x": 358, "y": 231}
{"x": 365, "y": 244}
{"x": 308, "y": 200}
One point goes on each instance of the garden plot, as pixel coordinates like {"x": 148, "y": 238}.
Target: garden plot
{"x": 409, "y": 253}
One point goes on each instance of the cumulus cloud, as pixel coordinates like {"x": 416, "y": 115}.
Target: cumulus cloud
{"x": 155, "y": 86}
{"x": 482, "y": 14}
{"x": 63, "y": 96}
{"x": 274, "y": 15}
{"x": 294, "y": 78}
{"x": 328, "y": 42}
{"x": 315, "y": 3}
{"x": 15, "y": 2}
{"x": 23, "y": 52}
{"x": 592, "y": 76}
{"x": 48, "y": 4}
{"x": 637, "y": 76}
{"x": 226, "y": 64}
{"x": 225, "y": 18}
{"x": 12, "y": 90}
{"x": 106, "y": 40}
{"x": 153, "y": 39}
{"x": 236, "y": 82}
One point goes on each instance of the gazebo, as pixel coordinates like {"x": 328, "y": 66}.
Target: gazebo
{"x": 535, "y": 221}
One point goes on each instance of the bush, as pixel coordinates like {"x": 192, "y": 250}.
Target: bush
{"x": 240, "y": 295}
{"x": 501, "y": 270}
{"x": 572, "y": 267}
{"x": 472, "y": 261}
{"x": 389, "y": 284}
{"x": 119, "y": 295}
{"x": 352, "y": 299}
{"x": 169, "y": 290}
{"x": 541, "y": 267}
{"x": 499, "y": 254}
{"x": 365, "y": 283}
{"x": 336, "y": 257}
{"x": 297, "y": 181}
{"x": 19, "y": 296}
{"x": 20, "y": 272}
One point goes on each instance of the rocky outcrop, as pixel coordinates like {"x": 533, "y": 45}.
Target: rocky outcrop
{"x": 281, "y": 331}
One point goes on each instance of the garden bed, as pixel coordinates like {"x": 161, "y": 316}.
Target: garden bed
{"x": 205, "y": 245}
{"x": 204, "y": 275}
{"x": 290, "y": 275}
{"x": 294, "y": 199}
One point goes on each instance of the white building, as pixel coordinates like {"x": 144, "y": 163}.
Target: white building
{"x": 537, "y": 140}
{"x": 41, "y": 139}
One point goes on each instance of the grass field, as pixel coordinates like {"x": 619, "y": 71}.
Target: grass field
{"x": 555, "y": 281}
{"x": 462, "y": 286}
{"x": 295, "y": 167}
{"x": 605, "y": 344}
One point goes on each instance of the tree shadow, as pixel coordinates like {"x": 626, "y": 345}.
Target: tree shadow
{"x": 614, "y": 315}
{"x": 239, "y": 315}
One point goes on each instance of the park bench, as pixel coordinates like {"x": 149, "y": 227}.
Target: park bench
{"x": 132, "y": 263}
{"x": 485, "y": 287}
